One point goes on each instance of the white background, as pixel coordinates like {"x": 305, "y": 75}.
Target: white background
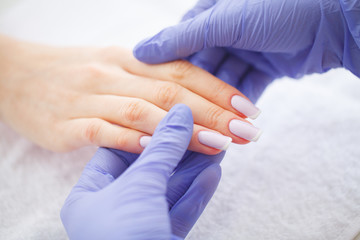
{"x": 300, "y": 181}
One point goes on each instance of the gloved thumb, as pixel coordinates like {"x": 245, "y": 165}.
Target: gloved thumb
{"x": 200, "y": 7}
{"x": 167, "y": 147}
{"x": 179, "y": 41}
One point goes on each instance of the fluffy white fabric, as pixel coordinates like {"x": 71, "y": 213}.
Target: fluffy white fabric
{"x": 300, "y": 181}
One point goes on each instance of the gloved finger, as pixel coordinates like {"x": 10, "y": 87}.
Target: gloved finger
{"x": 254, "y": 84}
{"x": 208, "y": 59}
{"x": 241, "y": 25}
{"x": 159, "y": 159}
{"x": 174, "y": 237}
{"x": 185, "y": 173}
{"x": 176, "y": 42}
{"x": 261, "y": 61}
{"x": 105, "y": 166}
{"x": 188, "y": 209}
{"x": 259, "y": 75}
{"x": 199, "y": 7}
{"x": 351, "y": 10}
{"x": 232, "y": 70}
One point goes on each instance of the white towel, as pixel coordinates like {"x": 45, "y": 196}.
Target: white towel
{"x": 300, "y": 181}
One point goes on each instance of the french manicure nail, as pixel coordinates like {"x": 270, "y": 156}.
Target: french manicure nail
{"x": 244, "y": 130}
{"x": 214, "y": 140}
{"x": 245, "y": 106}
{"x": 144, "y": 141}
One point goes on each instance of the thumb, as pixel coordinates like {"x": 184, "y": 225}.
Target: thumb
{"x": 179, "y": 41}
{"x": 200, "y": 6}
{"x": 166, "y": 149}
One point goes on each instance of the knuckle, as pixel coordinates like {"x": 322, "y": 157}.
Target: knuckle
{"x": 219, "y": 90}
{"x": 214, "y": 115}
{"x": 122, "y": 141}
{"x": 72, "y": 98}
{"x": 167, "y": 93}
{"x": 111, "y": 51}
{"x": 181, "y": 69}
{"x": 92, "y": 131}
{"x": 95, "y": 70}
{"x": 134, "y": 111}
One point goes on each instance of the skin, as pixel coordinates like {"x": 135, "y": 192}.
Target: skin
{"x": 66, "y": 98}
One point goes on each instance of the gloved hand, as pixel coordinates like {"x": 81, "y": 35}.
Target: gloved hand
{"x": 250, "y": 43}
{"x": 113, "y": 200}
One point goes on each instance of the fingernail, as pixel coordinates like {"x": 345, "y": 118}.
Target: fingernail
{"x": 214, "y": 140}
{"x": 244, "y": 130}
{"x": 245, "y": 106}
{"x": 144, "y": 141}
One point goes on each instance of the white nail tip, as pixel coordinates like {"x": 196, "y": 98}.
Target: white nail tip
{"x": 253, "y": 117}
{"x": 214, "y": 140}
{"x": 245, "y": 106}
{"x": 144, "y": 141}
{"x": 227, "y": 145}
{"x": 257, "y": 136}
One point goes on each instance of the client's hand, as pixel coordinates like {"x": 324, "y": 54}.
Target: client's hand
{"x": 65, "y": 98}
{"x": 144, "y": 201}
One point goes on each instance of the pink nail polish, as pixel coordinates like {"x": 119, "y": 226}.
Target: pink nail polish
{"x": 144, "y": 141}
{"x": 214, "y": 140}
{"x": 244, "y": 130}
{"x": 245, "y": 106}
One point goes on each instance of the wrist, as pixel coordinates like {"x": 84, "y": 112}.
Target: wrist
{"x": 7, "y": 49}
{"x": 15, "y": 63}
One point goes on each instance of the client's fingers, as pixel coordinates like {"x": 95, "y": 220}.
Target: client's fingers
{"x": 123, "y": 122}
{"x": 198, "y": 81}
{"x": 144, "y": 116}
{"x": 130, "y": 108}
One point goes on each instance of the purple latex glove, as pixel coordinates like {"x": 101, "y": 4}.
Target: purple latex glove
{"x": 147, "y": 200}
{"x": 249, "y": 43}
